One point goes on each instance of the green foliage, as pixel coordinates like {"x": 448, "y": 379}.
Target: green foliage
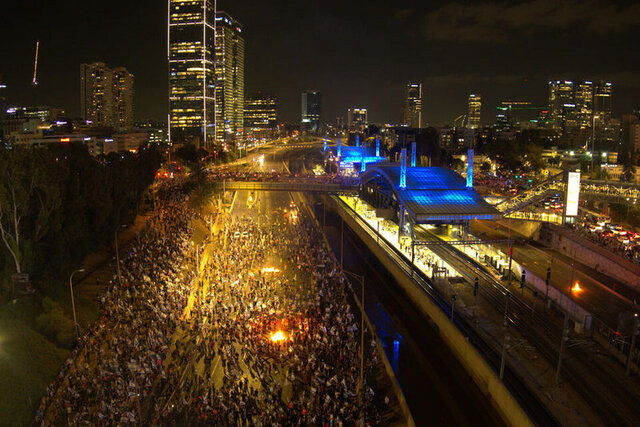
{"x": 523, "y": 154}
{"x": 28, "y": 364}
{"x": 67, "y": 203}
{"x": 54, "y": 324}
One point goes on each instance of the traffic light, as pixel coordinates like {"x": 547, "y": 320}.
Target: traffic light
{"x": 475, "y": 287}
{"x": 522, "y": 279}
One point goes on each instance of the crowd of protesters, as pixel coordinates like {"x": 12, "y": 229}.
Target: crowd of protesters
{"x": 178, "y": 344}
{"x": 225, "y": 368}
{"x": 109, "y": 374}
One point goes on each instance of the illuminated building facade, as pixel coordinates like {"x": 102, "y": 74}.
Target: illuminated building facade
{"x": 96, "y": 94}
{"x": 583, "y": 100}
{"x": 229, "y": 80}
{"x": 106, "y": 95}
{"x": 604, "y": 129}
{"x": 560, "y": 102}
{"x": 413, "y": 106}
{"x": 357, "y": 118}
{"x": 473, "y": 115}
{"x": 122, "y": 98}
{"x": 311, "y": 110}
{"x": 260, "y": 112}
{"x": 190, "y": 51}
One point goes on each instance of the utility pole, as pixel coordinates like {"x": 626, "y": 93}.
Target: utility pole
{"x": 634, "y": 333}
{"x": 362, "y": 342}
{"x": 510, "y": 259}
{"x": 73, "y": 304}
{"x": 505, "y": 346}
{"x": 475, "y": 297}
{"x": 565, "y": 337}
{"x": 341, "y": 241}
{"x": 546, "y": 297}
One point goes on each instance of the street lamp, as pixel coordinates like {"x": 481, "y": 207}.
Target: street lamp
{"x": 73, "y": 305}
{"x": 117, "y": 254}
{"x": 362, "y": 313}
{"x": 593, "y": 139}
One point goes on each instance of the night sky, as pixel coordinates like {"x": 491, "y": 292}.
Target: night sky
{"x": 356, "y": 52}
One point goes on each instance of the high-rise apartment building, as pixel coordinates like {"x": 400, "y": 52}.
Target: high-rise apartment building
{"x": 229, "y": 79}
{"x": 583, "y": 100}
{"x": 106, "y": 95}
{"x": 357, "y": 118}
{"x": 260, "y": 111}
{"x": 310, "y": 111}
{"x": 473, "y": 115}
{"x": 560, "y": 102}
{"x": 413, "y": 106}
{"x": 122, "y": 91}
{"x": 96, "y": 94}
{"x": 604, "y": 129}
{"x": 192, "y": 78}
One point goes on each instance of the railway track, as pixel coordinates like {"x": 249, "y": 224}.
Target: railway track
{"x": 603, "y": 391}
{"x": 538, "y": 412}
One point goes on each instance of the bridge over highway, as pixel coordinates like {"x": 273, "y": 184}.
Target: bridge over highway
{"x": 295, "y": 186}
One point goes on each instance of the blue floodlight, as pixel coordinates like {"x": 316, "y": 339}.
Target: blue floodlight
{"x": 413, "y": 154}
{"x": 470, "y": 168}
{"x": 403, "y": 168}
{"x": 339, "y": 147}
{"x": 357, "y": 140}
{"x": 377, "y": 146}
{"x": 325, "y": 143}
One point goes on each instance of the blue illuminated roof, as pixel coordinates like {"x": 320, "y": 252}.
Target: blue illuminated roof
{"x": 433, "y": 193}
{"x": 351, "y": 154}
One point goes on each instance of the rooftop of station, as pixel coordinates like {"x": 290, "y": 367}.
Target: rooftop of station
{"x": 432, "y": 193}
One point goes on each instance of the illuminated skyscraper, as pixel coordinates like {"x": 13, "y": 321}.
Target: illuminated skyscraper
{"x": 413, "y": 106}
{"x": 310, "y": 111}
{"x": 229, "y": 79}
{"x": 122, "y": 98}
{"x": 190, "y": 50}
{"x": 96, "y": 94}
{"x": 357, "y": 118}
{"x": 473, "y": 116}
{"x": 260, "y": 112}
{"x": 583, "y": 99}
{"x": 106, "y": 95}
{"x": 560, "y": 102}
{"x": 602, "y": 102}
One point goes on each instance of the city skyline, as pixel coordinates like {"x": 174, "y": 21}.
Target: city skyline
{"x": 271, "y": 66}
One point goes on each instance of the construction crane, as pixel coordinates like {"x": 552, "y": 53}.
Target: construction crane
{"x": 34, "y": 83}
{"x": 462, "y": 119}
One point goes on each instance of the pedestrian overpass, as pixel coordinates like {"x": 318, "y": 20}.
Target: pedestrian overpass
{"x": 293, "y": 186}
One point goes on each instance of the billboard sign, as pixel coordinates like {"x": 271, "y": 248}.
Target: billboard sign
{"x": 573, "y": 194}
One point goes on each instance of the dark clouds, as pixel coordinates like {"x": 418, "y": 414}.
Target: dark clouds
{"x": 501, "y": 22}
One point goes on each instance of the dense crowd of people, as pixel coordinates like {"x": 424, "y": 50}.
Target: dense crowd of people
{"x": 226, "y": 368}
{"x": 622, "y": 242}
{"x": 109, "y": 374}
{"x": 248, "y": 330}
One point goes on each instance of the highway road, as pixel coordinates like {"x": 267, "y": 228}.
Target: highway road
{"x": 596, "y": 297}
{"x": 436, "y": 387}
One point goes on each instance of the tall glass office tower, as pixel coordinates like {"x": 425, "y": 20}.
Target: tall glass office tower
{"x": 191, "y": 54}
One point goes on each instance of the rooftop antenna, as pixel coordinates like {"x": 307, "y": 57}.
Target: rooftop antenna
{"x": 34, "y": 83}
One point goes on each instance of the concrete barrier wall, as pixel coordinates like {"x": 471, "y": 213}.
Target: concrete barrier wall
{"x": 591, "y": 254}
{"x": 481, "y": 373}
